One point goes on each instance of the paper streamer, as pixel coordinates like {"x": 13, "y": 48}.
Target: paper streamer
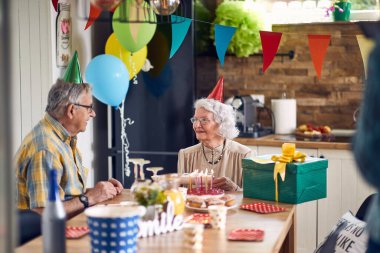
{"x": 366, "y": 45}
{"x": 269, "y": 42}
{"x": 223, "y": 36}
{"x": 179, "y": 31}
{"x": 318, "y": 45}
{"x": 124, "y": 140}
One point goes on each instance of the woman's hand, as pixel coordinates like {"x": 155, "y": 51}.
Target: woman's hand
{"x": 225, "y": 183}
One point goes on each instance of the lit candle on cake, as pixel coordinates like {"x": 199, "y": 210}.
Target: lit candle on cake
{"x": 200, "y": 176}
{"x": 206, "y": 175}
{"x": 190, "y": 183}
{"x": 212, "y": 178}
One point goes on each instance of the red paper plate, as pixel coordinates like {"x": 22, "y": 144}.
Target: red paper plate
{"x": 259, "y": 207}
{"x": 199, "y": 218}
{"x": 76, "y": 232}
{"x": 246, "y": 235}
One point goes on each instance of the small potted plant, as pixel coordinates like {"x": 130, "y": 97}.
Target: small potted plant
{"x": 150, "y": 195}
{"x": 340, "y": 9}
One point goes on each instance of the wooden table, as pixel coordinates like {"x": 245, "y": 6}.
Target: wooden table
{"x": 279, "y": 233}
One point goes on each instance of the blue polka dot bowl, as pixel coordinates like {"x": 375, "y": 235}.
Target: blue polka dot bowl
{"x": 114, "y": 229}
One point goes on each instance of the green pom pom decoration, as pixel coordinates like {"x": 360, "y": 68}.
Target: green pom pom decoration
{"x": 247, "y": 19}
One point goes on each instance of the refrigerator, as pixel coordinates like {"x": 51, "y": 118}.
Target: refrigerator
{"x": 160, "y": 106}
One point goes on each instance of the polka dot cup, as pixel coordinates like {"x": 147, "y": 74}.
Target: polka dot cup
{"x": 218, "y": 216}
{"x": 114, "y": 229}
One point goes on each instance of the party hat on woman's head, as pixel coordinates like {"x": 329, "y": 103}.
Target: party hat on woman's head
{"x": 217, "y": 92}
{"x": 72, "y": 73}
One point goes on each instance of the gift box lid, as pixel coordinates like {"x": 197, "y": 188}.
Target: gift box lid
{"x": 264, "y": 162}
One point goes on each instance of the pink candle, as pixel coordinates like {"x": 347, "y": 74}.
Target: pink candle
{"x": 212, "y": 179}
{"x": 206, "y": 183}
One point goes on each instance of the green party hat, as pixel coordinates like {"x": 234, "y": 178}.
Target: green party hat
{"x": 72, "y": 73}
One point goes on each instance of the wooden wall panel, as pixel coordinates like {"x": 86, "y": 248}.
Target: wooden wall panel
{"x": 31, "y": 64}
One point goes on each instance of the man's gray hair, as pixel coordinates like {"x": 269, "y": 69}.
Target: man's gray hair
{"x": 62, "y": 94}
{"x": 224, "y": 115}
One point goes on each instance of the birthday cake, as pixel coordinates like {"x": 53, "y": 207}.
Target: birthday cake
{"x": 205, "y": 193}
{"x": 200, "y": 184}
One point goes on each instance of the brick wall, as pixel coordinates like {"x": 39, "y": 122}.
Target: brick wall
{"x": 328, "y": 101}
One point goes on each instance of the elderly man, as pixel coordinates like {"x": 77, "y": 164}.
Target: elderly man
{"x": 52, "y": 145}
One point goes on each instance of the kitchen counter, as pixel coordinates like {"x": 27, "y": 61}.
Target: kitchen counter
{"x": 276, "y": 140}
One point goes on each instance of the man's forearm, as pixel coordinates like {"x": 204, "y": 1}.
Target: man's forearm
{"x": 72, "y": 207}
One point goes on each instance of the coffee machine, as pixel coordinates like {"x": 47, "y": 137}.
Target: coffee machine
{"x": 248, "y": 111}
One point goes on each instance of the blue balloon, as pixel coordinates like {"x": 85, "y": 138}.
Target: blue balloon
{"x": 109, "y": 79}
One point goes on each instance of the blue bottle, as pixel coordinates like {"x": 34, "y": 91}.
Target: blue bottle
{"x": 54, "y": 220}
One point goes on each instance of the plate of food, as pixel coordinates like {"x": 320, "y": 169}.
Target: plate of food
{"x": 205, "y": 209}
{"x": 198, "y": 218}
{"x": 200, "y": 204}
{"x": 311, "y": 132}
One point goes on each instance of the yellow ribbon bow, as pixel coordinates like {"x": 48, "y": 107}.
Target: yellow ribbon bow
{"x": 289, "y": 154}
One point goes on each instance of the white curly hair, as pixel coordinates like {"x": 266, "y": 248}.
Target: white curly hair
{"x": 224, "y": 115}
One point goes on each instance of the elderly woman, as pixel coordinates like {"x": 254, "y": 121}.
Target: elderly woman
{"x": 214, "y": 127}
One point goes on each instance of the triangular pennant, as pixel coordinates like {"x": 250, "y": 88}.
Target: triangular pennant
{"x": 217, "y": 92}
{"x": 72, "y": 73}
{"x": 55, "y": 4}
{"x": 366, "y": 45}
{"x": 179, "y": 31}
{"x": 269, "y": 42}
{"x": 223, "y": 36}
{"x": 318, "y": 45}
{"x": 94, "y": 14}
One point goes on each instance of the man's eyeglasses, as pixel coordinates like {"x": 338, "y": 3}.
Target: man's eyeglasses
{"x": 90, "y": 108}
{"x": 203, "y": 121}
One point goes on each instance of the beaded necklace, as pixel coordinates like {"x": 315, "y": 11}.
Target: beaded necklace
{"x": 212, "y": 162}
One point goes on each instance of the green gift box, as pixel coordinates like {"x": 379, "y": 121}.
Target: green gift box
{"x": 304, "y": 181}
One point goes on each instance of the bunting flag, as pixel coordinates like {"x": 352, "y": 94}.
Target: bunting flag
{"x": 318, "y": 45}
{"x": 179, "y": 31}
{"x": 269, "y": 43}
{"x": 366, "y": 45}
{"x": 94, "y": 14}
{"x": 217, "y": 92}
{"x": 55, "y": 4}
{"x": 223, "y": 36}
{"x": 72, "y": 73}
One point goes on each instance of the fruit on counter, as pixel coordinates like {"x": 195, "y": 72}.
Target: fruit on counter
{"x": 310, "y": 129}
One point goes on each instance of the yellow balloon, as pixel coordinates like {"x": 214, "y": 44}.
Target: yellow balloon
{"x": 133, "y": 61}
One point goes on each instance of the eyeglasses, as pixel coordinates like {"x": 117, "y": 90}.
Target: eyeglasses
{"x": 90, "y": 108}
{"x": 203, "y": 121}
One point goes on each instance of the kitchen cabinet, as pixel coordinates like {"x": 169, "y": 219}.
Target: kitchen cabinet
{"x": 346, "y": 190}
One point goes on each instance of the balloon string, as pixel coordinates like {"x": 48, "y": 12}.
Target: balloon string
{"x": 134, "y": 72}
{"x": 124, "y": 140}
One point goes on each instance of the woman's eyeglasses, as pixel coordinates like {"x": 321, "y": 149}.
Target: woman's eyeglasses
{"x": 203, "y": 121}
{"x": 90, "y": 108}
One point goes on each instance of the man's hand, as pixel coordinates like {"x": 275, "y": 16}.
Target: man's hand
{"x": 119, "y": 187}
{"x": 225, "y": 183}
{"x": 101, "y": 192}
